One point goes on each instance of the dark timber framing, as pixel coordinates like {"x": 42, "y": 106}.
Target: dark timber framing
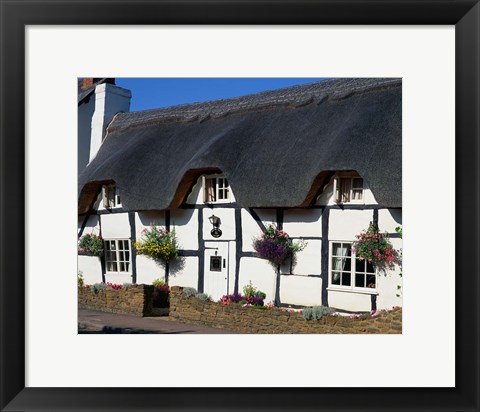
{"x": 201, "y": 253}
{"x": 167, "y": 226}
{"x": 324, "y": 255}
{"x": 102, "y": 258}
{"x": 238, "y": 246}
{"x": 133, "y": 238}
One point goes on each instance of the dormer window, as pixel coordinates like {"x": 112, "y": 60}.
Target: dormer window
{"x": 217, "y": 190}
{"x": 349, "y": 189}
{"x": 111, "y": 197}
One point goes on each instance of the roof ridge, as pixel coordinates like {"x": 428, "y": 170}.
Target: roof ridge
{"x": 295, "y": 96}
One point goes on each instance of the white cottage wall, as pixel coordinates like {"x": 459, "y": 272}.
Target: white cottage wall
{"x": 227, "y": 223}
{"x": 187, "y": 276}
{"x": 115, "y": 226}
{"x": 260, "y": 273}
{"x": 185, "y": 223}
{"x": 301, "y": 290}
{"x": 90, "y": 268}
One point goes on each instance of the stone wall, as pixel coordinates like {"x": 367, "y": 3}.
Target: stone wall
{"x": 251, "y": 320}
{"x": 136, "y": 300}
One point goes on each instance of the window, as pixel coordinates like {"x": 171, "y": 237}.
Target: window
{"x": 117, "y": 255}
{"x": 216, "y": 190}
{"x": 348, "y": 272}
{"x": 111, "y": 197}
{"x": 349, "y": 189}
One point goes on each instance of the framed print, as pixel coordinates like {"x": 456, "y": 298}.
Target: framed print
{"x": 433, "y": 47}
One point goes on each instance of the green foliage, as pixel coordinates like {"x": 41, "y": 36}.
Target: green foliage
{"x": 126, "y": 286}
{"x": 188, "y": 292}
{"x": 90, "y": 245}
{"x": 159, "y": 282}
{"x": 316, "y": 312}
{"x": 251, "y": 291}
{"x": 80, "y": 280}
{"x": 375, "y": 247}
{"x": 158, "y": 244}
{"x": 203, "y": 297}
{"x": 399, "y": 230}
{"x": 96, "y": 287}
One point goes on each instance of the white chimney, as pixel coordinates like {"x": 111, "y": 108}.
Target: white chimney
{"x": 109, "y": 100}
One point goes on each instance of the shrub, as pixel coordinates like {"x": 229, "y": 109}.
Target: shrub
{"x": 80, "y": 280}
{"x": 158, "y": 244}
{"x": 96, "y": 287}
{"x": 238, "y": 298}
{"x": 188, "y": 292}
{"x": 203, "y": 297}
{"x": 375, "y": 247}
{"x": 276, "y": 246}
{"x": 126, "y": 286}
{"x": 316, "y": 312}
{"x": 159, "y": 282}
{"x": 90, "y": 245}
{"x": 251, "y": 291}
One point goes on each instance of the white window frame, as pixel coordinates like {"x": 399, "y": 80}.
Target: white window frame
{"x": 352, "y": 287}
{"x": 217, "y": 179}
{"x": 336, "y": 189}
{"x": 117, "y": 253}
{"x": 107, "y": 202}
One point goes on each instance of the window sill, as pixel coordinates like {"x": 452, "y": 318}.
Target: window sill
{"x": 359, "y": 291}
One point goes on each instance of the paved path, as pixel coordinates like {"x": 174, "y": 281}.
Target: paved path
{"x": 91, "y": 321}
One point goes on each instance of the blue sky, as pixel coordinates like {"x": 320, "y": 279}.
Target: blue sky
{"x": 151, "y": 93}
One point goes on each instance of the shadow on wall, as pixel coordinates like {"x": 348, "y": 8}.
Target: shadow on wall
{"x": 152, "y": 218}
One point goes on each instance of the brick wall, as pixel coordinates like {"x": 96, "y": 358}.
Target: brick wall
{"x": 136, "y": 300}
{"x": 250, "y": 320}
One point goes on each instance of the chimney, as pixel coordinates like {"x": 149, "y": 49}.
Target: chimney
{"x": 87, "y": 82}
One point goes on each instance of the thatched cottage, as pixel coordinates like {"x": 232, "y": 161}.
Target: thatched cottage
{"x": 320, "y": 161}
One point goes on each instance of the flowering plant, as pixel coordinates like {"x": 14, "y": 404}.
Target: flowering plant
{"x": 159, "y": 244}
{"x": 276, "y": 246}
{"x": 375, "y": 247}
{"x": 90, "y": 245}
{"x": 161, "y": 294}
{"x": 238, "y": 298}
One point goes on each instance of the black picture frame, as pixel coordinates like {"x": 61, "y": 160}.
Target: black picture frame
{"x": 15, "y": 15}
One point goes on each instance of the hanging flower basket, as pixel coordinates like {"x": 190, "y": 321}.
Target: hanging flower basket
{"x": 276, "y": 246}
{"x": 375, "y": 247}
{"x": 90, "y": 245}
{"x": 158, "y": 244}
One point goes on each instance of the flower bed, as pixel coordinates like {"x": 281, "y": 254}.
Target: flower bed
{"x": 186, "y": 307}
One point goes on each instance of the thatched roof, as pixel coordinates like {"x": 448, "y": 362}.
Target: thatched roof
{"x": 273, "y": 147}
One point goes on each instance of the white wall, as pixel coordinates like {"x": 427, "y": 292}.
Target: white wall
{"x": 251, "y": 229}
{"x": 185, "y": 222}
{"x": 301, "y": 290}
{"x": 346, "y": 224}
{"x": 91, "y": 269}
{"x": 227, "y": 224}
{"x": 115, "y": 226}
{"x": 186, "y": 276}
{"x": 260, "y": 273}
{"x": 354, "y": 302}
{"x": 303, "y": 222}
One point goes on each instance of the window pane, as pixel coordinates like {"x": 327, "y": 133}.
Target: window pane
{"x": 357, "y": 194}
{"x": 347, "y": 264}
{"x": 359, "y": 265}
{"x": 371, "y": 281}
{"x": 347, "y": 249}
{"x": 109, "y": 266}
{"x": 125, "y": 245}
{"x": 337, "y": 249}
{"x": 114, "y": 267}
{"x": 112, "y": 245}
{"x": 370, "y": 268}
{"x": 345, "y": 186}
{"x": 210, "y": 190}
{"x": 338, "y": 264}
{"x": 127, "y": 267}
{"x": 357, "y": 183}
{"x": 122, "y": 267}
{"x": 360, "y": 280}
{"x": 226, "y": 182}
{"x": 127, "y": 256}
{"x": 107, "y": 245}
{"x": 335, "y": 278}
{"x": 122, "y": 256}
{"x": 346, "y": 279}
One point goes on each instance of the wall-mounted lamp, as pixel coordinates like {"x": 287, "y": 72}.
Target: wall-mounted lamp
{"x": 215, "y": 221}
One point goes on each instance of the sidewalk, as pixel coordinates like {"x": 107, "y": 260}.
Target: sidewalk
{"x": 90, "y": 321}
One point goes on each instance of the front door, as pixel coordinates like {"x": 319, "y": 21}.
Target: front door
{"x": 216, "y": 269}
